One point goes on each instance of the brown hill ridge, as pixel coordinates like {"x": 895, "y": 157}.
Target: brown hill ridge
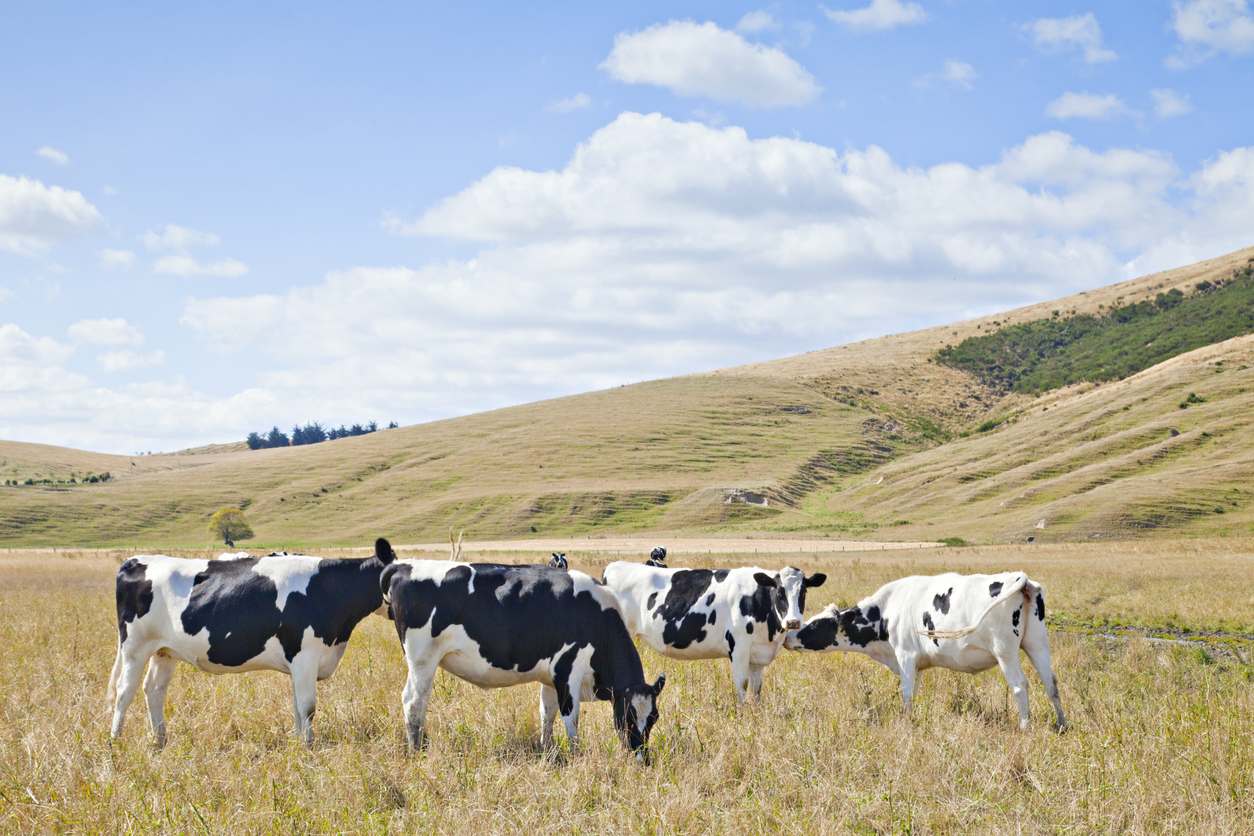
{"x": 844, "y": 442}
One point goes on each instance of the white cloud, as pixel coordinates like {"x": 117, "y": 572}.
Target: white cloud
{"x": 34, "y": 216}
{"x": 693, "y": 59}
{"x": 957, "y": 73}
{"x": 1206, "y": 27}
{"x": 1087, "y": 106}
{"x": 186, "y": 266}
{"x": 1169, "y": 103}
{"x": 880, "y": 15}
{"x": 177, "y": 238}
{"x": 50, "y": 153}
{"x": 117, "y": 258}
{"x": 125, "y": 361}
{"x": 1064, "y": 33}
{"x": 757, "y": 21}
{"x": 579, "y": 101}
{"x": 106, "y": 332}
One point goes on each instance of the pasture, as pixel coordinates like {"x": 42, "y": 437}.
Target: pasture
{"x": 1161, "y": 738}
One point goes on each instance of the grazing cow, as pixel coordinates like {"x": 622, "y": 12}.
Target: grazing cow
{"x": 966, "y": 623}
{"x": 736, "y": 614}
{"x": 559, "y": 561}
{"x": 292, "y": 614}
{"x": 657, "y": 558}
{"x": 495, "y": 625}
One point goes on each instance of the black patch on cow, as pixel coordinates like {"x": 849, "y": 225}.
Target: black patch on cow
{"x": 819, "y": 634}
{"x": 652, "y": 600}
{"x": 520, "y": 615}
{"x": 929, "y": 625}
{"x": 682, "y": 627}
{"x": 731, "y": 643}
{"x": 749, "y": 628}
{"x": 863, "y": 628}
{"x": 720, "y": 575}
{"x": 134, "y": 594}
{"x": 713, "y": 615}
{"x": 561, "y": 680}
{"x": 994, "y": 589}
{"x": 941, "y": 602}
{"x": 1040, "y": 605}
{"x": 239, "y": 606}
{"x": 763, "y": 607}
{"x": 1014, "y": 619}
{"x": 709, "y": 599}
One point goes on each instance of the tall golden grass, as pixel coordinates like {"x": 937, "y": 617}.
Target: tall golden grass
{"x": 1162, "y": 739}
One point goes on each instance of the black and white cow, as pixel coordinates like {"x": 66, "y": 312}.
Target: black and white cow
{"x": 291, "y": 613}
{"x": 736, "y": 614}
{"x": 495, "y": 626}
{"x": 559, "y": 561}
{"x": 657, "y": 558}
{"x": 966, "y": 623}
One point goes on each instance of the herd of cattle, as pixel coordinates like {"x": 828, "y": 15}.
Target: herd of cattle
{"x": 497, "y": 625}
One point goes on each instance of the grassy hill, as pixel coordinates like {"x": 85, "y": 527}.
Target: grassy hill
{"x": 863, "y": 439}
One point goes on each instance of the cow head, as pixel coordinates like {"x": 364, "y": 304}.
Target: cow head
{"x": 837, "y": 629}
{"x": 635, "y": 713}
{"x": 788, "y": 594}
{"x": 558, "y": 561}
{"x": 657, "y": 558}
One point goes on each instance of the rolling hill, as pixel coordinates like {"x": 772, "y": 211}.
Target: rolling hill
{"x": 869, "y": 439}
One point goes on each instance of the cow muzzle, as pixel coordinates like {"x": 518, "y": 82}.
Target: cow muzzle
{"x": 792, "y": 624}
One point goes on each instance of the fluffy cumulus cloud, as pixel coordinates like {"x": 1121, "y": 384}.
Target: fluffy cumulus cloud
{"x": 186, "y": 266}
{"x": 117, "y": 258}
{"x": 957, "y": 73}
{"x": 50, "y": 153}
{"x": 1207, "y": 27}
{"x": 579, "y": 101}
{"x": 106, "y": 332}
{"x": 177, "y": 237}
{"x": 1078, "y": 32}
{"x": 758, "y": 21}
{"x": 1087, "y": 106}
{"x": 125, "y": 361}
{"x": 880, "y": 15}
{"x": 33, "y": 216}
{"x": 1169, "y": 103}
{"x": 700, "y": 59}
{"x": 664, "y": 247}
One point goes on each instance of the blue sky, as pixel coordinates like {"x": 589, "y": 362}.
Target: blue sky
{"x": 215, "y": 218}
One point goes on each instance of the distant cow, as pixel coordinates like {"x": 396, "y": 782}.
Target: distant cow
{"x": 657, "y": 558}
{"x": 292, "y": 614}
{"x": 966, "y": 623}
{"x": 736, "y": 614}
{"x": 558, "y": 561}
{"x": 495, "y": 625}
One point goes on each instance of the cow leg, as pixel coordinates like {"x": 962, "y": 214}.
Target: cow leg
{"x": 304, "y": 672}
{"x": 1036, "y": 645}
{"x": 909, "y": 668}
{"x": 131, "y": 660}
{"x": 548, "y": 712}
{"x": 569, "y": 689}
{"x": 755, "y": 679}
{"x": 739, "y": 656}
{"x": 160, "y": 671}
{"x": 1008, "y": 661}
{"x": 415, "y": 697}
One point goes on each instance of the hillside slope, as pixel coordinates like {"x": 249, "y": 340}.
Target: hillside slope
{"x": 852, "y": 439}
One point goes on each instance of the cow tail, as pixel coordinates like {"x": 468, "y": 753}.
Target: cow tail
{"x": 385, "y": 583}
{"x": 1013, "y": 588}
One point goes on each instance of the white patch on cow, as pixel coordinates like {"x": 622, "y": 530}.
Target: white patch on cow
{"x": 233, "y": 555}
{"x": 290, "y": 574}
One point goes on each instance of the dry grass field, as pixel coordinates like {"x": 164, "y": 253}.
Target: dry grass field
{"x": 1161, "y": 741}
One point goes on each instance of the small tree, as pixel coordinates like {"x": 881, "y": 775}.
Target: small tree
{"x": 230, "y": 525}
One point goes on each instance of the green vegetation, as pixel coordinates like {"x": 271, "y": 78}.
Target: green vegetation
{"x": 1033, "y": 357}
{"x": 229, "y": 524}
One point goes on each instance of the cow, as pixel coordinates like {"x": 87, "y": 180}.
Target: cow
{"x": 657, "y": 558}
{"x": 736, "y": 614}
{"x": 966, "y": 623}
{"x": 559, "y": 561}
{"x": 291, "y": 613}
{"x": 496, "y": 625}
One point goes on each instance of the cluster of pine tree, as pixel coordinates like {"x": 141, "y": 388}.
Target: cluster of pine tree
{"x": 311, "y": 433}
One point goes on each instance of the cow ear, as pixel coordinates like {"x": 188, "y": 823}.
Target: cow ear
{"x": 817, "y": 579}
{"x": 383, "y": 551}
{"x": 764, "y": 579}
{"x": 657, "y": 686}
